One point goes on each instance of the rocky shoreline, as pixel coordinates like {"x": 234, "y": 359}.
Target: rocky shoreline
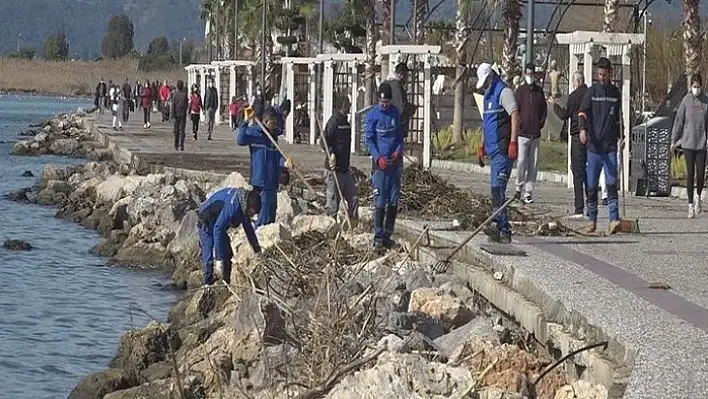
{"x": 316, "y": 315}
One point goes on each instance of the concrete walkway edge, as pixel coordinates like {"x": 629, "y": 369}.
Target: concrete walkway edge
{"x": 551, "y": 177}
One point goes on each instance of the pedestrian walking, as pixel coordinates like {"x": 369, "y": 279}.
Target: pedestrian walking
{"x": 195, "y": 109}
{"x": 384, "y": 138}
{"x": 266, "y": 164}
{"x": 179, "y": 106}
{"x": 337, "y": 139}
{"x": 106, "y": 97}
{"x": 689, "y": 133}
{"x": 127, "y": 100}
{"x": 233, "y": 112}
{"x": 554, "y": 76}
{"x": 531, "y": 104}
{"x": 154, "y": 91}
{"x": 102, "y": 92}
{"x": 578, "y": 150}
{"x": 211, "y": 104}
{"x": 146, "y": 99}
{"x": 601, "y": 130}
{"x": 501, "y": 122}
{"x": 116, "y": 104}
{"x": 137, "y": 91}
{"x": 227, "y": 208}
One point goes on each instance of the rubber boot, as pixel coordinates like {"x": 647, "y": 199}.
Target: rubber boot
{"x": 379, "y": 232}
{"x": 391, "y": 213}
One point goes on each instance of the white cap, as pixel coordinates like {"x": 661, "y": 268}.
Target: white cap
{"x": 483, "y": 72}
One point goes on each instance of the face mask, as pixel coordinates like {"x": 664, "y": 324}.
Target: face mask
{"x": 696, "y": 90}
{"x": 529, "y": 79}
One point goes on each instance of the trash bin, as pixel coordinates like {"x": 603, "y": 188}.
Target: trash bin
{"x": 650, "y": 157}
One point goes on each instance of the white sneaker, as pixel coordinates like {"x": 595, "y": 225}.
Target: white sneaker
{"x": 698, "y": 205}
{"x": 528, "y": 198}
{"x": 145, "y": 125}
{"x": 691, "y": 211}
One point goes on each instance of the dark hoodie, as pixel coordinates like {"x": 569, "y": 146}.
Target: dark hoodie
{"x": 338, "y": 136}
{"x": 531, "y": 102}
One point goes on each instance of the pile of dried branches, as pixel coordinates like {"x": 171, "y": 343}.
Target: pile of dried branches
{"x": 331, "y": 322}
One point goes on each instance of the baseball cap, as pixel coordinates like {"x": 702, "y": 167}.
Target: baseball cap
{"x": 483, "y": 71}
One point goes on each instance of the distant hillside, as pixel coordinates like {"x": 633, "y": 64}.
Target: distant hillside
{"x": 28, "y": 22}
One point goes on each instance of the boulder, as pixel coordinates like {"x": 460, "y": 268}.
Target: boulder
{"x": 211, "y": 361}
{"x": 161, "y": 389}
{"x": 186, "y": 240}
{"x": 287, "y": 208}
{"x": 115, "y": 187}
{"x": 324, "y": 224}
{"x": 27, "y": 173}
{"x": 145, "y": 246}
{"x": 403, "y": 376}
{"x": 119, "y": 213}
{"x": 451, "y": 342}
{"x": 22, "y": 147}
{"x": 97, "y": 385}
{"x": 268, "y": 236}
{"x": 17, "y": 245}
{"x": 141, "y": 347}
{"x": 582, "y": 389}
{"x": 234, "y": 179}
{"x": 47, "y": 197}
{"x": 41, "y": 137}
{"x": 451, "y": 311}
{"x": 55, "y": 172}
{"x": 64, "y": 146}
{"x": 58, "y": 186}
{"x": 165, "y": 207}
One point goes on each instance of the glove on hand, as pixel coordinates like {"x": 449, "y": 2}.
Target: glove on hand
{"x": 381, "y": 163}
{"x": 480, "y": 152}
{"x": 289, "y": 163}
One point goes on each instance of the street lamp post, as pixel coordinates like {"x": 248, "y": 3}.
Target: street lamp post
{"x": 644, "y": 64}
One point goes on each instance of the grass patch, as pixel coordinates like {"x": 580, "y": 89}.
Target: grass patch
{"x": 73, "y": 78}
{"x": 553, "y": 155}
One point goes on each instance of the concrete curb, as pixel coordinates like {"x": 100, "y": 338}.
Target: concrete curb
{"x": 550, "y": 177}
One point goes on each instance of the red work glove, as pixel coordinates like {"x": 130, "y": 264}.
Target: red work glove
{"x": 513, "y": 150}
{"x": 396, "y": 157}
{"x": 381, "y": 163}
{"x": 480, "y": 152}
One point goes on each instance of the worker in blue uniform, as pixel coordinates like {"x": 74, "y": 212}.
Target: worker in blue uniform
{"x": 499, "y": 141}
{"x": 384, "y": 138}
{"x": 226, "y": 208}
{"x": 266, "y": 163}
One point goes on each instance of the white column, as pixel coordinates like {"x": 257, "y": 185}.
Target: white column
{"x": 289, "y": 69}
{"x": 312, "y": 104}
{"x": 587, "y": 63}
{"x": 202, "y": 88}
{"x": 572, "y": 68}
{"x": 232, "y": 81}
{"x": 217, "y": 84}
{"x": 328, "y": 87}
{"x": 249, "y": 86}
{"x": 356, "y": 141}
{"x": 626, "y": 97}
{"x": 428, "y": 98}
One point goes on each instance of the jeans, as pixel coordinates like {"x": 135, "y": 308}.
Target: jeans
{"x": 597, "y": 163}
{"x": 211, "y": 114}
{"x": 180, "y": 124}
{"x": 348, "y": 187}
{"x": 126, "y": 110}
{"x": 195, "y": 124}
{"x": 578, "y": 159}
{"x": 501, "y": 170}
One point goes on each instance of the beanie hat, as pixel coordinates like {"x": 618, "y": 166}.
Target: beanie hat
{"x": 385, "y": 92}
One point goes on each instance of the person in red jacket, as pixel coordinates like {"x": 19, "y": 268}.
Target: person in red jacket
{"x": 146, "y": 102}
{"x": 233, "y": 111}
{"x": 164, "y": 97}
{"x": 195, "y": 109}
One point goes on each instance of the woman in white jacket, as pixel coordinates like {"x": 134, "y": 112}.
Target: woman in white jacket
{"x": 116, "y": 98}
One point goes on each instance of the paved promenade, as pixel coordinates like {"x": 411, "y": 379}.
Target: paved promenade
{"x": 591, "y": 288}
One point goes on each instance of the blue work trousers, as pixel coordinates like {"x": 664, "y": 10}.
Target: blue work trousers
{"x": 206, "y": 247}
{"x": 269, "y": 206}
{"x": 501, "y": 169}
{"x": 596, "y": 163}
{"x": 387, "y": 192}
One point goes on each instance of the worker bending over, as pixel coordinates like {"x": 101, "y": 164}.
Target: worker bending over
{"x": 499, "y": 141}
{"x": 600, "y": 123}
{"x": 266, "y": 163}
{"x": 384, "y": 137}
{"x": 226, "y": 208}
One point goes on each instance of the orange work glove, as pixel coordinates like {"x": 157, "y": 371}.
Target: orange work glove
{"x": 381, "y": 162}
{"x": 513, "y": 150}
{"x": 480, "y": 152}
{"x": 396, "y": 158}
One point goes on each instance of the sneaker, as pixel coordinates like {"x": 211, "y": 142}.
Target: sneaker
{"x": 195, "y": 136}
{"x": 148, "y": 125}
{"x": 578, "y": 214}
{"x": 145, "y": 125}
{"x": 691, "y": 211}
{"x": 698, "y": 205}
{"x": 528, "y": 199}
{"x": 181, "y": 148}
{"x": 379, "y": 245}
{"x": 209, "y": 138}
{"x": 603, "y": 202}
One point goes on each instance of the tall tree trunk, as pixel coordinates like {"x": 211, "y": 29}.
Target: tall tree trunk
{"x": 610, "y": 22}
{"x": 385, "y": 35}
{"x": 512, "y": 15}
{"x": 270, "y": 87}
{"x": 420, "y": 10}
{"x": 369, "y": 7}
{"x": 692, "y": 43}
{"x": 462, "y": 36}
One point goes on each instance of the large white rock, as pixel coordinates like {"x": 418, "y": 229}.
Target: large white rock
{"x": 55, "y": 172}
{"x": 22, "y": 147}
{"x": 287, "y": 208}
{"x": 41, "y": 137}
{"x": 186, "y": 241}
{"x": 582, "y": 389}
{"x": 268, "y": 236}
{"x": 117, "y": 186}
{"x": 451, "y": 311}
{"x": 234, "y": 179}
{"x": 324, "y": 224}
{"x": 64, "y": 146}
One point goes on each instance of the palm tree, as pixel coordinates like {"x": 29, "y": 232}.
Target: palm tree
{"x": 420, "y": 11}
{"x": 462, "y": 36}
{"x": 610, "y": 22}
{"x": 369, "y": 9}
{"x": 692, "y": 43}
{"x": 385, "y": 35}
{"x": 511, "y": 12}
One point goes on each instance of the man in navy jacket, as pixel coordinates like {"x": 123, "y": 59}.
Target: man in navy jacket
{"x": 226, "y": 208}
{"x": 384, "y": 137}
{"x": 600, "y": 121}
{"x": 266, "y": 164}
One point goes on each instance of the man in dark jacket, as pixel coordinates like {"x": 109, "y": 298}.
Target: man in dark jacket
{"x": 102, "y": 91}
{"x": 578, "y": 151}
{"x": 384, "y": 137}
{"x": 338, "y": 139}
{"x": 180, "y": 103}
{"x": 266, "y": 164}
{"x": 226, "y": 208}
{"x": 600, "y": 122}
{"x": 531, "y": 102}
{"x": 211, "y": 105}
{"x": 127, "y": 99}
